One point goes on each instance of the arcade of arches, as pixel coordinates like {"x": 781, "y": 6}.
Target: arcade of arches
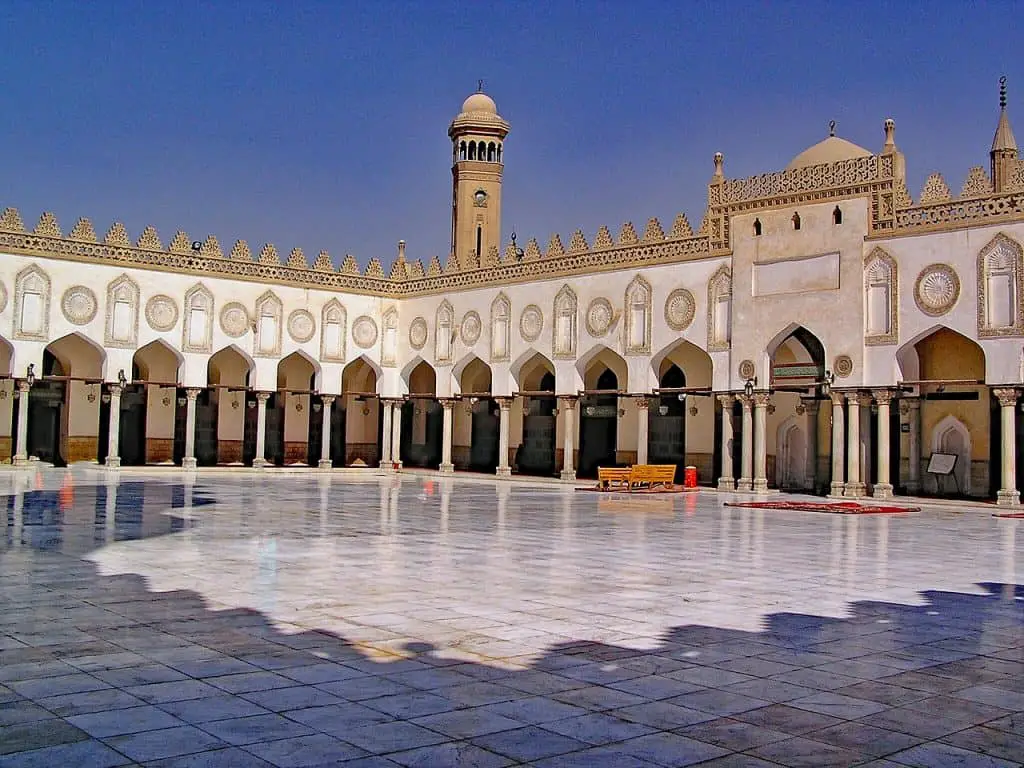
{"x": 802, "y": 432}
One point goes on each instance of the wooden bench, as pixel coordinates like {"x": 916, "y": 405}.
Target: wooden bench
{"x": 650, "y": 475}
{"x": 610, "y": 477}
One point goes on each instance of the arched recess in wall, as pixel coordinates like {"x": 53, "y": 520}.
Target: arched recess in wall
{"x": 333, "y": 320}
{"x": 1001, "y": 288}
{"x": 720, "y": 310}
{"x": 269, "y": 310}
{"x": 881, "y": 298}
{"x": 122, "y": 326}
{"x": 638, "y": 317}
{"x": 197, "y": 332}
{"x": 564, "y": 329}
{"x": 795, "y": 356}
{"x": 951, "y": 436}
{"x": 32, "y": 304}
{"x": 501, "y": 328}
{"x": 389, "y": 341}
{"x": 444, "y": 333}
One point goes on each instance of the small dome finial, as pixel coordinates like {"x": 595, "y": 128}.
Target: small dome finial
{"x": 890, "y": 136}
{"x": 1002, "y": 92}
{"x": 719, "y": 165}
{"x": 480, "y": 85}
{"x": 831, "y": 127}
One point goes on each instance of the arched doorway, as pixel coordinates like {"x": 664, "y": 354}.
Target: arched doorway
{"x": 535, "y": 454}
{"x": 475, "y": 420}
{"x": 149, "y": 408}
{"x": 666, "y": 437}
{"x": 8, "y": 424}
{"x": 422, "y": 420}
{"x": 293, "y": 435}
{"x": 604, "y": 376}
{"x": 230, "y": 408}
{"x": 355, "y": 422}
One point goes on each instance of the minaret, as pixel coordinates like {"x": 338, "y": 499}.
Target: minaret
{"x": 1004, "y": 146}
{"x": 478, "y": 134}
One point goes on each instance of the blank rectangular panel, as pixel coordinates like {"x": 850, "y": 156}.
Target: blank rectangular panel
{"x": 499, "y": 347}
{"x": 637, "y": 325}
{"x": 878, "y": 309}
{"x": 31, "y": 313}
{"x": 268, "y": 333}
{"x": 722, "y": 319}
{"x": 1001, "y": 309}
{"x": 121, "y": 327}
{"x": 197, "y": 319}
{"x": 332, "y": 339}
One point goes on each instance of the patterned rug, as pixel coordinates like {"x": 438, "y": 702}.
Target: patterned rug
{"x": 835, "y": 508}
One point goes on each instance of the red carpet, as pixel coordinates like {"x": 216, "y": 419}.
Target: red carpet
{"x": 835, "y": 508}
{"x": 1011, "y": 515}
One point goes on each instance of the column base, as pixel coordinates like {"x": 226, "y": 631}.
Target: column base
{"x": 113, "y": 462}
{"x": 760, "y": 485}
{"x": 260, "y": 463}
{"x": 189, "y": 462}
{"x": 325, "y": 464}
{"x": 855, "y": 490}
{"x": 835, "y": 490}
{"x": 726, "y": 484}
{"x": 882, "y": 491}
{"x": 446, "y": 469}
{"x": 1008, "y": 498}
{"x": 744, "y": 484}
{"x": 503, "y": 472}
{"x": 20, "y": 461}
{"x": 568, "y": 475}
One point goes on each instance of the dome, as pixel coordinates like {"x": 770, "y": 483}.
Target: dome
{"x": 831, "y": 150}
{"x": 480, "y": 102}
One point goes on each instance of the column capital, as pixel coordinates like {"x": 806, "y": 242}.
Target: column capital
{"x": 504, "y": 403}
{"x": 726, "y": 398}
{"x": 23, "y": 385}
{"x": 328, "y": 399}
{"x": 837, "y": 398}
{"x": 810, "y": 405}
{"x": 448, "y": 403}
{"x": 761, "y": 399}
{"x": 859, "y": 398}
{"x": 263, "y": 396}
{"x": 115, "y": 390}
{"x": 643, "y": 402}
{"x": 747, "y": 401}
{"x": 567, "y": 401}
{"x": 1007, "y": 396}
{"x": 883, "y": 396}
{"x": 192, "y": 393}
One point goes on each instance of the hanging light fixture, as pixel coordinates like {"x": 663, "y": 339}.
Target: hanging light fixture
{"x": 826, "y": 383}
{"x": 748, "y": 386}
{"x": 30, "y": 374}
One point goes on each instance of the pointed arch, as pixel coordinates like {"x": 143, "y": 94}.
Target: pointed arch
{"x": 420, "y": 377}
{"x": 6, "y": 357}
{"x": 529, "y": 368}
{"x": 32, "y": 304}
{"x": 918, "y": 358}
{"x": 638, "y": 316}
{"x": 881, "y": 298}
{"x": 473, "y": 375}
{"x": 564, "y": 329}
{"x": 795, "y": 355}
{"x": 197, "y": 330}
{"x": 122, "y": 326}
{"x": 720, "y": 310}
{"x": 1001, "y": 288}
{"x": 269, "y": 310}
{"x": 361, "y": 376}
{"x": 444, "y": 333}
{"x": 229, "y": 366}
{"x": 694, "y": 362}
{"x": 596, "y": 360}
{"x": 333, "y": 322}
{"x": 158, "y": 361}
{"x": 951, "y": 436}
{"x": 501, "y": 328}
{"x": 79, "y": 356}
{"x": 298, "y": 370}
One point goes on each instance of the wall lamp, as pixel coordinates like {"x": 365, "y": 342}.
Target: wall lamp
{"x": 748, "y": 386}
{"x": 826, "y": 383}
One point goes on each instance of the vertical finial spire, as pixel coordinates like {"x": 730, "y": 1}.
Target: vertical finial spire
{"x": 890, "y": 136}
{"x": 831, "y": 127}
{"x": 1002, "y": 92}
{"x": 480, "y": 85}
{"x": 719, "y": 166}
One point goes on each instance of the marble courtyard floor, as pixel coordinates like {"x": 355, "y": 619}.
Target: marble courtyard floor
{"x": 305, "y": 620}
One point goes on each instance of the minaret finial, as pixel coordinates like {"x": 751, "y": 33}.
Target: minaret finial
{"x": 480, "y": 86}
{"x": 1002, "y": 92}
{"x": 831, "y": 127}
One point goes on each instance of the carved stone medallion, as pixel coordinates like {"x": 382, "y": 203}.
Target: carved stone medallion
{"x": 680, "y": 307}
{"x": 79, "y": 304}
{"x": 301, "y": 326}
{"x": 937, "y": 289}
{"x": 843, "y": 366}
{"x": 471, "y": 327}
{"x": 234, "y": 319}
{"x": 599, "y": 317}
{"x": 364, "y": 332}
{"x": 747, "y": 369}
{"x": 3, "y": 297}
{"x": 531, "y": 322}
{"x": 161, "y": 313}
{"x": 418, "y": 333}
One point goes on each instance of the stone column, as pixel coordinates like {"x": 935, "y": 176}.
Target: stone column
{"x": 567, "y": 406}
{"x": 883, "y": 483}
{"x": 114, "y": 424}
{"x": 21, "y": 457}
{"x": 261, "y": 430}
{"x": 504, "y": 409}
{"x": 396, "y": 434}
{"x": 914, "y": 452}
{"x": 188, "y": 461}
{"x": 727, "y": 482}
{"x": 1008, "y": 493}
{"x": 761, "y": 400}
{"x": 854, "y": 484}
{"x": 838, "y": 445}
{"x": 446, "y": 437}
{"x": 811, "y": 430}
{"x": 325, "y": 432}
{"x": 746, "y": 481}
{"x": 385, "y": 433}
{"x": 642, "y": 430}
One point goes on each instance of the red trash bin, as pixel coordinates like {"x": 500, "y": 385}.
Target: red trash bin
{"x": 690, "y": 477}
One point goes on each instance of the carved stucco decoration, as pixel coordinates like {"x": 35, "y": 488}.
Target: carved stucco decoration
{"x": 720, "y": 310}
{"x": 565, "y": 324}
{"x": 234, "y": 319}
{"x": 418, "y": 333}
{"x": 79, "y": 305}
{"x": 364, "y": 332}
{"x": 680, "y": 308}
{"x": 444, "y": 333}
{"x": 881, "y": 272}
{"x": 122, "y": 326}
{"x": 531, "y": 323}
{"x": 747, "y": 369}
{"x": 269, "y": 319}
{"x": 501, "y": 328}
{"x": 333, "y": 331}
{"x": 197, "y": 329}
{"x": 1001, "y": 260}
{"x": 301, "y": 325}
{"x": 843, "y": 366}
{"x": 639, "y": 309}
{"x": 599, "y": 317}
{"x": 161, "y": 313}
{"x": 32, "y": 305}
{"x": 937, "y": 289}
{"x": 471, "y": 328}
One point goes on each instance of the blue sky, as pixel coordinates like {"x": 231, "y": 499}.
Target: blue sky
{"x": 323, "y": 125}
